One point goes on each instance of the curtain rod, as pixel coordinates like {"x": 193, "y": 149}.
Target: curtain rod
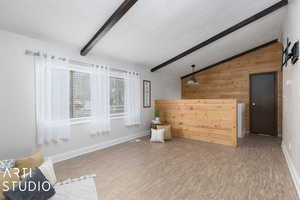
{"x": 32, "y": 53}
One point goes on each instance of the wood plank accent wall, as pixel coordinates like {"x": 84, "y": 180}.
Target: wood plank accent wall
{"x": 210, "y": 120}
{"x": 231, "y": 79}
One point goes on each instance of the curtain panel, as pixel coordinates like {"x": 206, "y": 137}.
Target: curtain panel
{"x": 100, "y": 101}
{"x": 132, "y": 99}
{"x": 52, "y": 90}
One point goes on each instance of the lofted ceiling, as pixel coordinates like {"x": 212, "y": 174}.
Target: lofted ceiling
{"x": 152, "y": 31}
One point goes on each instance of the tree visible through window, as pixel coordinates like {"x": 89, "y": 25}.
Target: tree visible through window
{"x": 117, "y": 89}
{"x": 80, "y": 95}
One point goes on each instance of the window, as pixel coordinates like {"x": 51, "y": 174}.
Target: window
{"x": 117, "y": 89}
{"x": 80, "y": 95}
{"x": 80, "y": 105}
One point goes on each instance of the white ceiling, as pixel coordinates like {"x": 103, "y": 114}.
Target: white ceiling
{"x": 253, "y": 35}
{"x": 152, "y": 32}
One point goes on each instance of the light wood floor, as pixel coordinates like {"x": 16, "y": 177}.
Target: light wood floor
{"x": 184, "y": 169}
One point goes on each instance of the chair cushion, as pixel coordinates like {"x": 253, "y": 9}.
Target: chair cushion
{"x": 34, "y": 187}
{"x": 157, "y": 135}
{"x": 6, "y": 164}
{"x": 27, "y": 163}
{"x": 48, "y": 171}
{"x": 7, "y": 180}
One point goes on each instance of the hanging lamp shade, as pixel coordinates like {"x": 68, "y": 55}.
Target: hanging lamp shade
{"x": 193, "y": 80}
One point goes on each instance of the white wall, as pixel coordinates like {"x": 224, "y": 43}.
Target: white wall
{"x": 291, "y": 94}
{"x": 17, "y": 110}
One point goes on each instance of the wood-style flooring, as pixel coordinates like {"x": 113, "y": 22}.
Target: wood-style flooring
{"x": 187, "y": 170}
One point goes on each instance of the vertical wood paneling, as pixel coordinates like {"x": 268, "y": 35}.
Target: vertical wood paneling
{"x": 206, "y": 120}
{"x": 230, "y": 80}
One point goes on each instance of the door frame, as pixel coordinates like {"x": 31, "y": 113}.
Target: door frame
{"x": 275, "y": 73}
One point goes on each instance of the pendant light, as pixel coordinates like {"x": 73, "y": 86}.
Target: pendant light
{"x": 193, "y": 80}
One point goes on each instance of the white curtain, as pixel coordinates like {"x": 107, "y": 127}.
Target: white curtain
{"x": 52, "y": 85}
{"x": 100, "y": 100}
{"x": 132, "y": 99}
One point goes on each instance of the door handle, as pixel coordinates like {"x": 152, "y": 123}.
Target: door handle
{"x": 253, "y": 104}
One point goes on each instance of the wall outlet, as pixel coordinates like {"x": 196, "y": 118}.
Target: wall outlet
{"x": 290, "y": 146}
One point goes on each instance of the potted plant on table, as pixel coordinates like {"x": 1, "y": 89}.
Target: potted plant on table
{"x": 157, "y": 115}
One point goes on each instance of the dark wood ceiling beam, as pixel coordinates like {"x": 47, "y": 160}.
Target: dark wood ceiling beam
{"x": 231, "y": 58}
{"x": 116, "y": 16}
{"x": 224, "y": 33}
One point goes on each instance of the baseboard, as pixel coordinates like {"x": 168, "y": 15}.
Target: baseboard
{"x": 292, "y": 168}
{"x": 72, "y": 154}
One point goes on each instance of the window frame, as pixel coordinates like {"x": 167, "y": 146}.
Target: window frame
{"x": 84, "y": 120}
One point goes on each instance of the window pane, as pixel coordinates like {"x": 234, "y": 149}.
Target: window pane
{"x": 80, "y": 95}
{"x": 116, "y": 95}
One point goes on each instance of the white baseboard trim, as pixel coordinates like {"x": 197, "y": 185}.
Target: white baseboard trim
{"x": 72, "y": 154}
{"x": 292, "y": 168}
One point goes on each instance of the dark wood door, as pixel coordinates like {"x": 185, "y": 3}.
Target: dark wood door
{"x": 263, "y": 104}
